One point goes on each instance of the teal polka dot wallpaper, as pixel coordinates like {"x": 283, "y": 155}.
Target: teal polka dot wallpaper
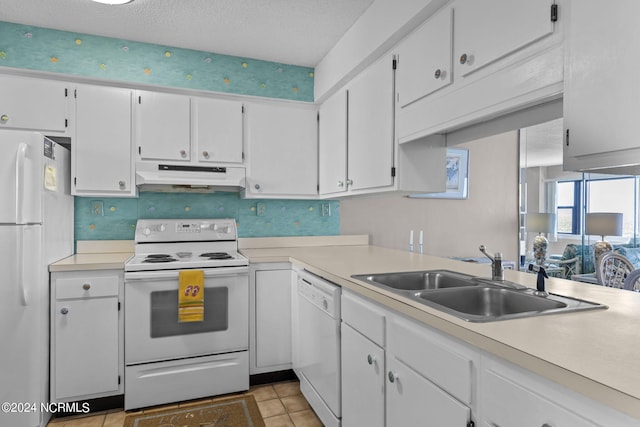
{"x": 90, "y": 56}
{"x": 41, "y": 49}
{"x": 255, "y": 218}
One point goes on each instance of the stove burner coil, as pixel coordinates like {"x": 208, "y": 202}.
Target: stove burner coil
{"x": 216, "y": 255}
{"x": 158, "y": 258}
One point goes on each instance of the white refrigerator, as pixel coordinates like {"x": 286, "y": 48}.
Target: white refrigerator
{"x": 36, "y": 229}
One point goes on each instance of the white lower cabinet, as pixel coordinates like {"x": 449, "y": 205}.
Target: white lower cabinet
{"x": 512, "y": 396}
{"x": 505, "y": 402}
{"x": 413, "y": 400}
{"x": 86, "y": 335}
{"x": 270, "y": 313}
{"x": 384, "y": 381}
{"x": 363, "y": 377}
{"x": 431, "y": 379}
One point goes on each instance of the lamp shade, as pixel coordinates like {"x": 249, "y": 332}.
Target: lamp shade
{"x": 541, "y": 222}
{"x": 603, "y": 224}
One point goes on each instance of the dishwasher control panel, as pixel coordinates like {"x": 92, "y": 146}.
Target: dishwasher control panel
{"x": 321, "y": 293}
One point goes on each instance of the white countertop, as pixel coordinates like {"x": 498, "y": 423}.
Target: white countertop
{"x": 594, "y": 352}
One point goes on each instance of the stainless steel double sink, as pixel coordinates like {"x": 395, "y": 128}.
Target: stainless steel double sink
{"x": 474, "y": 299}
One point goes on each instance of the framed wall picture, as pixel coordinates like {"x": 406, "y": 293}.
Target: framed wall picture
{"x": 457, "y": 184}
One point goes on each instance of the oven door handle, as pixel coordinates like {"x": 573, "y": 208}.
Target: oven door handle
{"x": 173, "y": 274}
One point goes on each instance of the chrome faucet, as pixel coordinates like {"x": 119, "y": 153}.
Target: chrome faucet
{"x": 497, "y": 271}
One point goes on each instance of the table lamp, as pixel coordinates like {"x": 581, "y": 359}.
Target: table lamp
{"x": 603, "y": 224}
{"x": 540, "y": 223}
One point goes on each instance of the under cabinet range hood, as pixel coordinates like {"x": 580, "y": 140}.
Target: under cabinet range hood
{"x": 187, "y": 178}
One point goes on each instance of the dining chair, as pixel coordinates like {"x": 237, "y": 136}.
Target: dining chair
{"x": 612, "y": 269}
{"x": 632, "y": 282}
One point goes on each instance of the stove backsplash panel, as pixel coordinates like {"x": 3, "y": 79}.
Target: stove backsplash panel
{"x": 115, "y": 218}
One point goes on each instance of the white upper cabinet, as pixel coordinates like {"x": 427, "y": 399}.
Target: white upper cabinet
{"x": 601, "y": 100}
{"x": 332, "y": 141}
{"x": 217, "y": 130}
{"x": 488, "y": 30}
{"x": 101, "y": 149}
{"x": 282, "y": 147}
{"x": 183, "y": 129}
{"x": 33, "y": 104}
{"x": 506, "y": 56}
{"x": 370, "y": 148}
{"x": 425, "y": 58}
{"x": 163, "y": 126}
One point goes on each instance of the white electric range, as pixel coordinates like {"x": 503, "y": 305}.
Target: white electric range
{"x": 169, "y": 361}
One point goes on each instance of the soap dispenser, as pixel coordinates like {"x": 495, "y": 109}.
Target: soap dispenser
{"x": 542, "y": 274}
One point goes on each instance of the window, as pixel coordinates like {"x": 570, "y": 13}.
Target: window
{"x": 613, "y": 195}
{"x": 603, "y": 194}
{"x": 568, "y": 211}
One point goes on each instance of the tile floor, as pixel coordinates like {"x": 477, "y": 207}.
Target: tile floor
{"x": 281, "y": 405}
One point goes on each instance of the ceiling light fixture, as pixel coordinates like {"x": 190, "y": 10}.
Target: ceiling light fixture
{"x": 113, "y": 2}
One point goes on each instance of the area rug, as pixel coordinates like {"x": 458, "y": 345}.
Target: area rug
{"x": 237, "y": 411}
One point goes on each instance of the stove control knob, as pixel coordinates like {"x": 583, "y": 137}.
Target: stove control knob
{"x": 225, "y": 230}
{"x": 146, "y": 231}
{"x": 162, "y": 228}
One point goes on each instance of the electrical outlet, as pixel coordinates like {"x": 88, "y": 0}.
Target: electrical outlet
{"x": 97, "y": 207}
{"x": 326, "y": 209}
{"x": 260, "y": 209}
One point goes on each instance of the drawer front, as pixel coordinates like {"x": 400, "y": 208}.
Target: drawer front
{"x": 364, "y": 316}
{"x": 433, "y": 355}
{"x": 507, "y": 403}
{"x": 86, "y": 287}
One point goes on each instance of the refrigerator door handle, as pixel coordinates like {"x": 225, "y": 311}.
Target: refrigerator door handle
{"x": 22, "y": 291}
{"x": 21, "y": 157}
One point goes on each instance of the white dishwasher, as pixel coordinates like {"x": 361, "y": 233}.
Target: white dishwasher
{"x": 317, "y": 346}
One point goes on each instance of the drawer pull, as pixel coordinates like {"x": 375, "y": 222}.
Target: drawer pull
{"x": 392, "y": 377}
{"x": 4, "y": 118}
{"x": 370, "y": 359}
{"x": 86, "y": 286}
{"x": 64, "y": 310}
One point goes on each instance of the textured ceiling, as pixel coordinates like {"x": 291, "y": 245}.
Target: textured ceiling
{"x": 297, "y": 32}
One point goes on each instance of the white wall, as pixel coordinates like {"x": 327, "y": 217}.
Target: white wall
{"x": 451, "y": 227}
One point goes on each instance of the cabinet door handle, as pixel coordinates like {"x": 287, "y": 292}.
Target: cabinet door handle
{"x": 349, "y": 182}
{"x": 64, "y": 310}
{"x": 122, "y": 185}
{"x": 205, "y": 154}
{"x": 183, "y": 153}
{"x": 370, "y": 359}
{"x": 438, "y": 73}
{"x": 4, "y": 118}
{"x": 464, "y": 58}
{"x": 340, "y": 184}
{"x": 393, "y": 377}
{"x": 86, "y": 286}
{"x": 257, "y": 186}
